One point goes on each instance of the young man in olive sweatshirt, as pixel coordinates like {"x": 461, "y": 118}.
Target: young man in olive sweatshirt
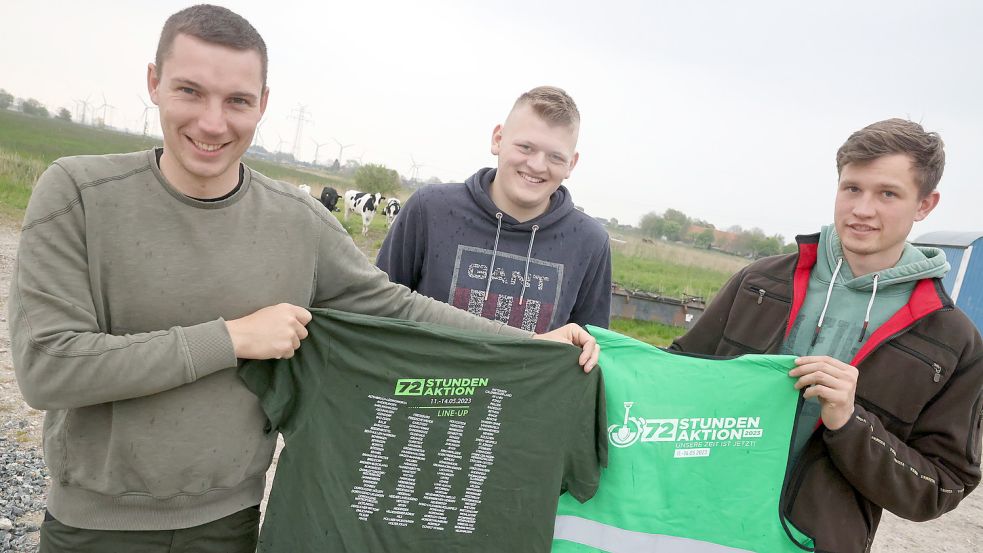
{"x": 143, "y": 278}
{"x": 892, "y": 370}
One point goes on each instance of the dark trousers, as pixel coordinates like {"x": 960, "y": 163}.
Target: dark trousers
{"x": 236, "y": 533}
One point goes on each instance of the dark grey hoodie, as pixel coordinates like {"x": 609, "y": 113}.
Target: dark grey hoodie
{"x": 448, "y": 235}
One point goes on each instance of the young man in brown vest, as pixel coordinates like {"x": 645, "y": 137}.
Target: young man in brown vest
{"x": 892, "y": 371}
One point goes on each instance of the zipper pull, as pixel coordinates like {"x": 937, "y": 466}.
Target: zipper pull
{"x": 938, "y": 372}
{"x": 761, "y": 295}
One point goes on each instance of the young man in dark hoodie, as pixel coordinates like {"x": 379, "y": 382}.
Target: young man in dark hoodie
{"x": 508, "y": 244}
{"x": 892, "y": 371}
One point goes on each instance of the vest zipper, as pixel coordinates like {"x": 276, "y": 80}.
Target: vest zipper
{"x": 973, "y": 445}
{"x": 799, "y": 470}
{"x": 918, "y": 355}
{"x": 889, "y": 340}
{"x": 762, "y": 294}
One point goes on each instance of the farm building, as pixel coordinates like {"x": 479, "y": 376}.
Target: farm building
{"x": 964, "y": 283}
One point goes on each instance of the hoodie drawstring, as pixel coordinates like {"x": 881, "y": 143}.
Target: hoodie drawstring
{"x": 525, "y": 277}
{"x": 491, "y": 267}
{"x": 829, "y": 292}
{"x": 863, "y": 332}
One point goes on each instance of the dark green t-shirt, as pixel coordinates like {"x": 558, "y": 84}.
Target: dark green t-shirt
{"x": 404, "y": 436}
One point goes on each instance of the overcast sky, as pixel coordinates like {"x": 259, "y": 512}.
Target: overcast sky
{"x": 729, "y": 111}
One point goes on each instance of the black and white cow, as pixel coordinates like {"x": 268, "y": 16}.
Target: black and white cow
{"x": 364, "y": 204}
{"x": 329, "y": 197}
{"x": 392, "y": 209}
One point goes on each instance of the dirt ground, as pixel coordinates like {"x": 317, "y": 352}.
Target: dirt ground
{"x": 960, "y": 531}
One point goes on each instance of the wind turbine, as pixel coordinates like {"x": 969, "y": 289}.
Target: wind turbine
{"x": 147, "y": 108}
{"x": 104, "y": 107}
{"x": 341, "y": 149}
{"x": 415, "y": 169}
{"x": 85, "y": 108}
{"x": 317, "y": 149}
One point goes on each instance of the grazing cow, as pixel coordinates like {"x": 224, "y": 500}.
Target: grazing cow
{"x": 364, "y": 204}
{"x": 305, "y": 188}
{"x": 392, "y": 209}
{"x": 329, "y": 197}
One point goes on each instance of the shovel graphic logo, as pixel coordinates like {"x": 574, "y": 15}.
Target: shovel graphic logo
{"x": 626, "y": 433}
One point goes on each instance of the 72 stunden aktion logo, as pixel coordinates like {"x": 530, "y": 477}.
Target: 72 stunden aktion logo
{"x": 703, "y": 429}
{"x": 439, "y": 386}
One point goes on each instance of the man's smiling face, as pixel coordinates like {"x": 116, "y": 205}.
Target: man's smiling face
{"x": 877, "y": 202}
{"x": 534, "y": 158}
{"x": 211, "y": 98}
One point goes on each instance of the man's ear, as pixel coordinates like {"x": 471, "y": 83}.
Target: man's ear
{"x": 573, "y": 163}
{"x": 926, "y": 205}
{"x": 496, "y": 143}
{"x": 263, "y": 100}
{"x": 153, "y": 81}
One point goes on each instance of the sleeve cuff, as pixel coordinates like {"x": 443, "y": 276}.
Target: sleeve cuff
{"x": 209, "y": 348}
{"x": 852, "y": 424}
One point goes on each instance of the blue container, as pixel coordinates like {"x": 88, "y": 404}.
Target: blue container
{"x": 964, "y": 282}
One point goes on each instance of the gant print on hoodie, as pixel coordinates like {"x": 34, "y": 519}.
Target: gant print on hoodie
{"x": 453, "y": 244}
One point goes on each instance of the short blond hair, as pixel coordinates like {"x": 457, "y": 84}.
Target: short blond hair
{"x": 552, "y": 104}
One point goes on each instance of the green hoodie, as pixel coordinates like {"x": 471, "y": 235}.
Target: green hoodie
{"x": 842, "y": 333}
{"x": 843, "y": 330}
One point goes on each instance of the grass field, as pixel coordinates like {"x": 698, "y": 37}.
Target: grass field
{"x": 671, "y": 269}
{"x": 300, "y": 176}
{"x": 29, "y": 144}
{"x": 45, "y": 140}
{"x": 657, "y": 334}
{"x": 17, "y": 175}
{"x": 48, "y": 139}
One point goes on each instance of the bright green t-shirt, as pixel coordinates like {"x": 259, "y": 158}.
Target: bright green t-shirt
{"x": 410, "y": 437}
{"x": 698, "y": 459}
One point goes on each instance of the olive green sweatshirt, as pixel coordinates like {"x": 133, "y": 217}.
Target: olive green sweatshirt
{"x": 117, "y": 318}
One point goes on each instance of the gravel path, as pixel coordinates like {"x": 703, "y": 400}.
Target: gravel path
{"x": 23, "y": 476}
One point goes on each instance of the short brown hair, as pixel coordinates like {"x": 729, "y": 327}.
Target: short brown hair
{"x": 897, "y": 136}
{"x": 213, "y": 24}
{"x": 553, "y": 104}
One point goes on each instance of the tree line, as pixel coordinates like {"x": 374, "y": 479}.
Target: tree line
{"x": 676, "y": 226}
{"x": 30, "y": 106}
